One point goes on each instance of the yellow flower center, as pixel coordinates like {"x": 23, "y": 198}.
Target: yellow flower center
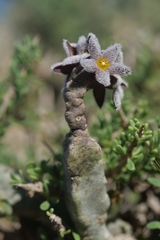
{"x": 103, "y": 63}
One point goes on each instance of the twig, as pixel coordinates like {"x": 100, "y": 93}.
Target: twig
{"x": 49, "y": 147}
{"x": 31, "y": 188}
{"x": 57, "y": 223}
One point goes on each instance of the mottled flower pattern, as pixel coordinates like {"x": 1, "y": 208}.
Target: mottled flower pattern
{"x": 105, "y": 66}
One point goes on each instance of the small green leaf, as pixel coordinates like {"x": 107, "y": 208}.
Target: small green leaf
{"x": 136, "y": 120}
{"x": 153, "y": 225}
{"x": 123, "y": 136}
{"x": 145, "y": 138}
{"x": 45, "y": 188}
{"x": 31, "y": 171}
{"x": 68, "y": 231}
{"x": 138, "y": 157}
{"x": 148, "y": 132}
{"x": 154, "y": 152}
{"x": 51, "y": 210}
{"x": 136, "y": 136}
{"x": 34, "y": 177}
{"x": 135, "y": 129}
{"x": 154, "y": 181}
{"x": 48, "y": 213}
{"x": 62, "y": 233}
{"x": 138, "y": 125}
{"x": 44, "y": 206}
{"x": 76, "y": 236}
{"x": 30, "y": 164}
{"x": 130, "y": 165}
{"x": 37, "y": 169}
{"x": 130, "y": 128}
{"x": 120, "y": 150}
{"x": 146, "y": 126}
{"x": 132, "y": 123}
{"x": 15, "y": 177}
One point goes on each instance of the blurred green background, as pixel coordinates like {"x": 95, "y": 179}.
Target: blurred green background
{"x": 32, "y": 124}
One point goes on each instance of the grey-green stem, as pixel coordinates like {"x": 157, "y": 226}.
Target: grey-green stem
{"x": 86, "y": 197}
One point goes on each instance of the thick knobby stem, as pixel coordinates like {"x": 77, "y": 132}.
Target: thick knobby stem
{"x": 86, "y": 197}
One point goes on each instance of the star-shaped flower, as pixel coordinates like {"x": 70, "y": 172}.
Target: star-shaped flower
{"x": 104, "y": 63}
{"x": 104, "y": 66}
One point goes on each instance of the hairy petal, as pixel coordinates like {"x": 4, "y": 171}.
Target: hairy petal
{"x": 119, "y": 82}
{"x": 94, "y": 48}
{"x": 85, "y": 55}
{"x": 89, "y": 65}
{"x": 119, "y": 58}
{"x": 60, "y": 69}
{"x": 82, "y": 45}
{"x": 56, "y": 68}
{"x": 112, "y": 52}
{"x": 103, "y": 77}
{"x": 69, "y": 48}
{"x": 117, "y": 97}
{"x": 113, "y": 81}
{"x": 124, "y": 84}
{"x": 71, "y": 60}
{"x": 75, "y": 59}
{"x": 120, "y": 69}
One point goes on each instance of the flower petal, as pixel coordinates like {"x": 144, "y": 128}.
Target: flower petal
{"x": 112, "y": 52}
{"x": 124, "y": 84}
{"x": 60, "y": 69}
{"x": 89, "y": 65}
{"x": 119, "y": 58}
{"x": 71, "y": 60}
{"x": 119, "y": 82}
{"x": 120, "y": 69}
{"x": 113, "y": 81}
{"x": 70, "y": 48}
{"x": 82, "y": 45}
{"x": 103, "y": 77}
{"x": 94, "y": 48}
{"x": 98, "y": 92}
{"x": 85, "y": 55}
{"x": 117, "y": 97}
